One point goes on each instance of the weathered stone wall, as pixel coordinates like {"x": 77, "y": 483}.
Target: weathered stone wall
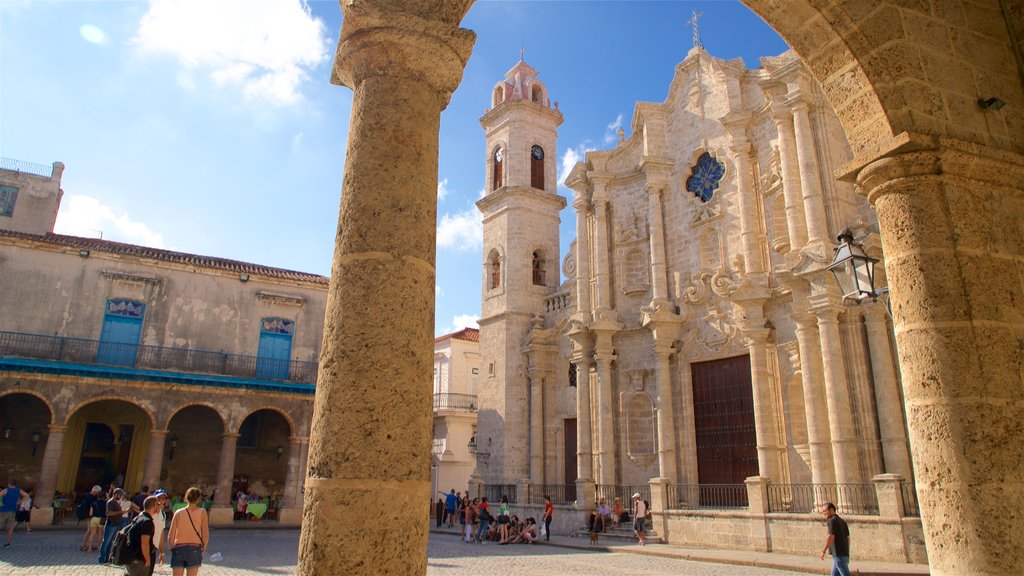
{"x": 35, "y": 210}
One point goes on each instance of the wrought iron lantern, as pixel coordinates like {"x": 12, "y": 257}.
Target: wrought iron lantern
{"x": 174, "y": 444}
{"x": 855, "y": 270}
{"x": 36, "y": 435}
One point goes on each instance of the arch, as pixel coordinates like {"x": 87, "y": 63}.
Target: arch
{"x": 498, "y": 94}
{"x": 493, "y": 269}
{"x": 537, "y": 93}
{"x": 498, "y": 167}
{"x": 538, "y": 267}
{"x": 287, "y": 417}
{"x": 37, "y": 396}
{"x": 85, "y": 403}
{"x": 211, "y": 406}
{"x": 83, "y": 463}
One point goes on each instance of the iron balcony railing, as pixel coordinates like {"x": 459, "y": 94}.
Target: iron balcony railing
{"x": 809, "y": 498}
{"x": 494, "y": 492}
{"x": 28, "y": 167}
{"x": 451, "y": 401}
{"x": 624, "y": 492}
{"x": 708, "y": 496}
{"x": 909, "y": 493}
{"x": 562, "y": 494}
{"x": 141, "y": 356}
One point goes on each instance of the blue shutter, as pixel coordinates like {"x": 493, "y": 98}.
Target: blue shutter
{"x": 122, "y": 330}
{"x": 273, "y": 357}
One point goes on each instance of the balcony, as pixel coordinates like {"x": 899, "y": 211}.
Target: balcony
{"x": 446, "y": 401}
{"x": 161, "y": 363}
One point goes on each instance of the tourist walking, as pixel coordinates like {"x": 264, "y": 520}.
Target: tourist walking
{"x": 189, "y": 535}
{"x": 484, "y": 515}
{"x": 469, "y": 517}
{"x": 10, "y": 499}
{"x": 639, "y": 519}
{"x": 143, "y": 539}
{"x": 837, "y": 543}
{"x": 115, "y": 515}
{"x": 24, "y": 514}
{"x": 451, "y": 503}
{"x": 161, "y": 521}
{"x": 96, "y": 506}
{"x": 549, "y": 511}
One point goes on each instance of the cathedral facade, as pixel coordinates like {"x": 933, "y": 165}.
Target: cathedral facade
{"x": 694, "y": 347}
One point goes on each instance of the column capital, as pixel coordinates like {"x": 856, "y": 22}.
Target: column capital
{"x": 756, "y": 335}
{"x": 155, "y": 432}
{"x": 581, "y": 204}
{"x": 298, "y": 439}
{"x": 384, "y": 41}
{"x": 805, "y": 320}
{"x": 828, "y": 313}
{"x": 230, "y": 436}
{"x": 56, "y": 428}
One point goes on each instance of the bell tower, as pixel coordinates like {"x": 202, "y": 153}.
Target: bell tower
{"x": 521, "y": 261}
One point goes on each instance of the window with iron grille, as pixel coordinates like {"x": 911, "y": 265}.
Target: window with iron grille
{"x": 572, "y": 374}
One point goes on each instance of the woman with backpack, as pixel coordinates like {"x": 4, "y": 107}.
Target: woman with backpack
{"x": 189, "y": 535}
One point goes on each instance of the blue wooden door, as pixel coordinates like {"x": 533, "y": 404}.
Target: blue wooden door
{"x": 273, "y": 357}
{"x": 122, "y": 330}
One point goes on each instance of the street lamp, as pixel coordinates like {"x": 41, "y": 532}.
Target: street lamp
{"x": 174, "y": 444}
{"x": 855, "y": 271}
{"x": 36, "y": 435}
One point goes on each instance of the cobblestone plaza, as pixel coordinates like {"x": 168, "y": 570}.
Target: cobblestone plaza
{"x": 262, "y": 552}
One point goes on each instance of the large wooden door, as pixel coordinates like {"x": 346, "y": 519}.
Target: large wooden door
{"x": 723, "y": 408}
{"x": 570, "y": 459}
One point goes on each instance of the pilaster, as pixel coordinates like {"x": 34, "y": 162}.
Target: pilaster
{"x": 837, "y": 393}
{"x": 810, "y": 177}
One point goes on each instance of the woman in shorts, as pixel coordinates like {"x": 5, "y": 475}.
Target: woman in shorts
{"x": 189, "y": 535}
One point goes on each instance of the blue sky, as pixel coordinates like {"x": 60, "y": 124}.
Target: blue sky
{"x": 212, "y": 128}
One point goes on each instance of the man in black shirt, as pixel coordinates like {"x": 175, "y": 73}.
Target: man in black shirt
{"x": 143, "y": 540}
{"x": 838, "y": 541}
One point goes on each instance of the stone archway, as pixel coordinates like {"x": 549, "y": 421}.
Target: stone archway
{"x": 262, "y": 457}
{"x": 190, "y": 458}
{"x": 904, "y": 81}
{"x": 107, "y": 440}
{"x": 26, "y": 422}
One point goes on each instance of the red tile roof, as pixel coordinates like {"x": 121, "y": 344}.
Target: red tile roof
{"x": 94, "y": 244}
{"x": 467, "y": 334}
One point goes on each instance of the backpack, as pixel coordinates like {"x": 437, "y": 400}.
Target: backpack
{"x": 125, "y": 547}
{"x": 82, "y": 510}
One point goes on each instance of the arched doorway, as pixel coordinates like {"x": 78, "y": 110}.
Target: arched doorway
{"x": 24, "y": 430}
{"x": 261, "y": 458}
{"x": 192, "y": 450}
{"x": 106, "y": 441}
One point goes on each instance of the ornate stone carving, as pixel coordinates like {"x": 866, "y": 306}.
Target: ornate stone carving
{"x": 569, "y": 262}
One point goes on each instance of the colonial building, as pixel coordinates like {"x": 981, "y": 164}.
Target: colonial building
{"x": 698, "y": 351}
{"x": 147, "y": 366}
{"x": 456, "y": 373}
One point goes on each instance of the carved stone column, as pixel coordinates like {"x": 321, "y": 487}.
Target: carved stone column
{"x": 370, "y": 436}
{"x": 49, "y": 469}
{"x": 603, "y": 408}
{"x": 837, "y": 393}
{"x": 950, "y": 216}
{"x": 583, "y": 305}
{"x": 888, "y": 399}
{"x": 750, "y": 233}
{"x": 154, "y": 458}
{"x": 222, "y": 513}
{"x": 818, "y": 440}
{"x": 602, "y": 271}
{"x": 666, "y": 421}
{"x": 290, "y": 512}
{"x": 858, "y": 370}
{"x": 769, "y": 450}
{"x": 659, "y": 269}
{"x": 791, "y": 193}
{"x": 810, "y": 179}
{"x": 584, "y": 430}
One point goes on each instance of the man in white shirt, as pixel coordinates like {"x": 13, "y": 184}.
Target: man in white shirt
{"x": 159, "y": 524}
{"x": 639, "y": 519}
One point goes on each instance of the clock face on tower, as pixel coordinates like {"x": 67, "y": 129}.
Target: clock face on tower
{"x": 537, "y": 152}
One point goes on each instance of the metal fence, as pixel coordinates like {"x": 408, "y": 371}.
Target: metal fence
{"x": 809, "y": 498}
{"x": 29, "y": 167}
{"x": 563, "y": 494}
{"x": 624, "y": 492}
{"x": 909, "y": 493}
{"x": 714, "y": 496}
{"x": 190, "y": 360}
{"x": 451, "y": 401}
{"x": 494, "y": 492}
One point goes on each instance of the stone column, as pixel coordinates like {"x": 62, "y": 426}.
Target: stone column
{"x": 887, "y": 394}
{"x": 605, "y": 428}
{"x": 950, "y": 217}
{"x": 837, "y": 392}
{"x": 750, "y": 234}
{"x": 858, "y": 370}
{"x": 583, "y": 305}
{"x": 222, "y": 513}
{"x": 537, "y": 428}
{"x": 154, "y": 458}
{"x": 659, "y": 269}
{"x": 768, "y": 448}
{"x": 602, "y": 274}
{"x": 371, "y": 434}
{"x": 584, "y": 448}
{"x": 810, "y": 179}
{"x": 48, "y": 474}
{"x": 818, "y": 441}
{"x": 791, "y": 193}
{"x": 290, "y": 512}
{"x": 662, "y": 353}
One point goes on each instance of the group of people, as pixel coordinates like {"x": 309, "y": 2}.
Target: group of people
{"x": 482, "y": 525}
{"x": 15, "y": 509}
{"x": 603, "y": 515}
{"x": 185, "y": 533}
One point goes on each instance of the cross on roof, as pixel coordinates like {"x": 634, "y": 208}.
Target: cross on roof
{"x": 522, "y": 51}
{"x": 696, "y": 32}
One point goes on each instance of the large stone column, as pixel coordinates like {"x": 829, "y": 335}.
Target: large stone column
{"x": 769, "y": 450}
{"x": 858, "y": 370}
{"x": 583, "y": 306}
{"x": 662, "y": 352}
{"x": 750, "y": 233}
{"x": 951, "y": 216}
{"x": 602, "y": 272}
{"x": 48, "y": 474}
{"x": 537, "y": 428}
{"x": 290, "y": 512}
{"x": 791, "y": 194}
{"x": 222, "y": 514}
{"x": 818, "y": 441}
{"x": 603, "y": 410}
{"x": 584, "y": 447}
{"x": 154, "y": 458}
{"x": 837, "y": 393}
{"x": 810, "y": 179}
{"x": 891, "y": 427}
{"x": 372, "y": 417}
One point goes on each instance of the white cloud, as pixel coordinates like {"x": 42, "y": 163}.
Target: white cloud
{"x": 461, "y": 321}
{"x": 442, "y": 189}
{"x": 570, "y": 158}
{"x": 265, "y": 47}
{"x": 86, "y": 216}
{"x": 461, "y": 231}
{"x": 93, "y": 34}
{"x": 438, "y": 292}
{"x": 611, "y": 134}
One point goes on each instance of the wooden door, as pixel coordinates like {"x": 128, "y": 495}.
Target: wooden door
{"x": 570, "y": 459}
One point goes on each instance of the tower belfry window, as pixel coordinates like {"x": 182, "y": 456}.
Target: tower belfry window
{"x": 497, "y": 180}
{"x": 537, "y": 167}
{"x": 493, "y": 270}
{"x": 538, "y": 269}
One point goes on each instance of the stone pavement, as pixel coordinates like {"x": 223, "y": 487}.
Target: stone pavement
{"x": 254, "y": 552}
